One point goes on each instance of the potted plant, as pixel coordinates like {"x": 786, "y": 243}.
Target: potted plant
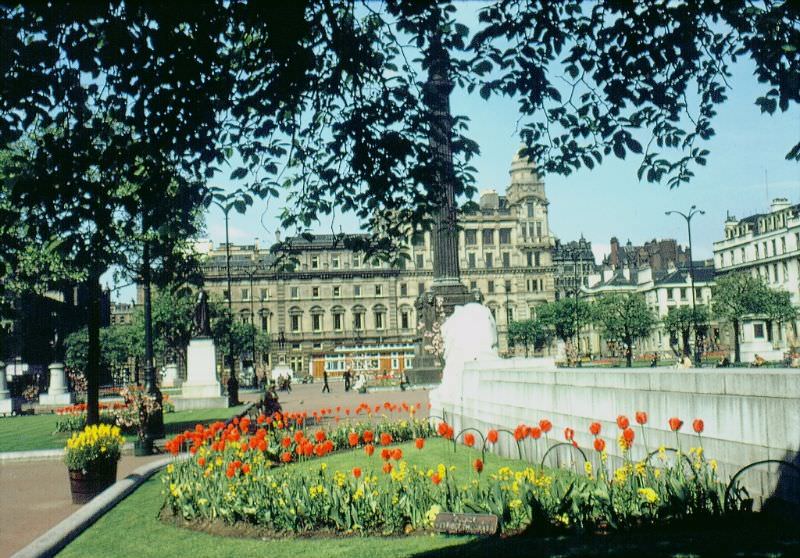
{"x": 139, "y": 407}
{"x": 91, "y": 458}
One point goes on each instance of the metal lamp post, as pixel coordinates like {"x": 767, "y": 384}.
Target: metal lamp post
{"x": 250, "y": 274}
{"x": 575, "y": 256}
{"x": 688, "y": 217}
{"x": 508, "y": 314}
{"x": 155, "y": 424}
{"x": 225, "y": 204}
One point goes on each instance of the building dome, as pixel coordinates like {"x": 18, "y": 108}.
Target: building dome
{"x": 525, "y": 181}
{"x": 521, "y": 166}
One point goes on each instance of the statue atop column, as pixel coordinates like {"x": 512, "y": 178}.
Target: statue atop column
{"x": 202, "y": 327}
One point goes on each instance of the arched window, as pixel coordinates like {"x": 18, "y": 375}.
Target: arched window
{"x": 295, "y": 319}
{"x": 337, "y": 313}
{"x": 406, "y": 317}
{"x": 359, "y": 312}
{"x": 317, "y": 319}
{"x": 265, "y": 317}
{"x": 379, "y": 316}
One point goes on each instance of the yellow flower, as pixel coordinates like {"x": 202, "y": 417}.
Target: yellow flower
{"x": 170, "y": 468}
{"x": 430, "y": 516}
{"x": 713, "y": 464}
{"x": 587, "y": 466}
{"x": 649, "y": 495}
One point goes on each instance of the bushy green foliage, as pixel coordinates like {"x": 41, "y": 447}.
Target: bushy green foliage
{"x": 624, "y": 318}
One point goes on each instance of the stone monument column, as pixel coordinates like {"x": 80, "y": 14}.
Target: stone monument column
{"x": 201, "y": 359}
{"x": 448, "y": 292}
{"x": 6, "y": 404}
{"x": 57, "y": 392}
{"x": 171, "y": 378}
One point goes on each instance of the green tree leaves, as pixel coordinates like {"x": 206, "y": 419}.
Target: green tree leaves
{"x": 624, "y": 318}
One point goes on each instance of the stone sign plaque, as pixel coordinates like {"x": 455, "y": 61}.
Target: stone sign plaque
{"x": 466, "y": 523}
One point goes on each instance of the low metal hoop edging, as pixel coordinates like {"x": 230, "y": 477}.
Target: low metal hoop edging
{"x": 672, "y": 450}
{"x": 483, "y": 440}
{"x": 574, "y": 447}
{"x": 735, "y": 477}
{"x": 519, "y": 448}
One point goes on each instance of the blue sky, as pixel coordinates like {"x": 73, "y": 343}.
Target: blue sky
{"x": 609, "y": 200}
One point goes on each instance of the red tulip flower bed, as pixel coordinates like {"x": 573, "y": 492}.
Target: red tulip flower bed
{"x": 235, "y": 475}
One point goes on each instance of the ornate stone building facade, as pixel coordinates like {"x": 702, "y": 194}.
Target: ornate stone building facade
{"x": 765, "y": 245}
{"x": 335, "y": 310}
{"x": 656, "y": 254}
{"x": 574, "y": 264}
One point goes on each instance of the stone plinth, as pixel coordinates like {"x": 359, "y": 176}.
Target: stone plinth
{"x": 749, "y": 349}
{"x": 171, "y": 378}
{"x": 433, "y": 308}
{"x": 201, "y": 377}
{"x": 6, "y": 405}
{"x": 57, "y": 392}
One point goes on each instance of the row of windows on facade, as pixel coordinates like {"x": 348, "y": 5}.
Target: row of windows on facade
{"x": 763, "y": 271}
{"x": 532, "y": 285}
{"x": 488, "y": 260}
{"x": 338, "y": 321}
{"x": 534, "y": 259}
{"x": 766, "y": 224}
{"x": 490, "y": 237}
{"x": 359, "y": 319}
{"x": 680, "y": 293}
{"x": 760, "y": 250}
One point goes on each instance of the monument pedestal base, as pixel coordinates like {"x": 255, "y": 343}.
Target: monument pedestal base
{"x": 435, "y": 307}
{"x": 57, "y": 393}
{"x": 171, "y": 378}
{"x": 201, "y": 364}
{"x": 6, "y": 403}
{"x": 425, "y": 376}
{"x": 56, "y": 399}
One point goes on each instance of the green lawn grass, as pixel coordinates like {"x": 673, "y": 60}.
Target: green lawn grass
{"x": 132, "y": 529}
{"x": 36, "y": 432}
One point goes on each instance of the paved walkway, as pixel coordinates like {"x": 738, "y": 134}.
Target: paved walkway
{"x": 35, "y": 496}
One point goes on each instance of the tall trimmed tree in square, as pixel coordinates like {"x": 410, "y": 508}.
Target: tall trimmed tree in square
{"x": 624, "y": 318}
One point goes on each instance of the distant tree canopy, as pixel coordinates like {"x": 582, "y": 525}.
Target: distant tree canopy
{"x": 565, "y": 316}
{"x": 737, "y": 296}
{"x": 680, "y": 321}
{"x": 624, "y": 318}
{"x": 530, "y": 334}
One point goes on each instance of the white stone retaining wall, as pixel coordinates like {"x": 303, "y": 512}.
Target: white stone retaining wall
{"x": 749, "y": 415}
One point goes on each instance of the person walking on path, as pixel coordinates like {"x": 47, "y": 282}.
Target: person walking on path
{"x": 325, "y": 387}
{"x": 347, "y": 375}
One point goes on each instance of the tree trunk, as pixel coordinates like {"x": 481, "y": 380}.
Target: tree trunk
{"x": 93, "y": 357}
{"x": 628, "y": 352}
{"x": 737, "y": 358}
{"x": 685, "y": 335}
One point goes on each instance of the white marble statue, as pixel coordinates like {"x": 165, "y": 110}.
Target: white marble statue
{"x": 469, "y": 334}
